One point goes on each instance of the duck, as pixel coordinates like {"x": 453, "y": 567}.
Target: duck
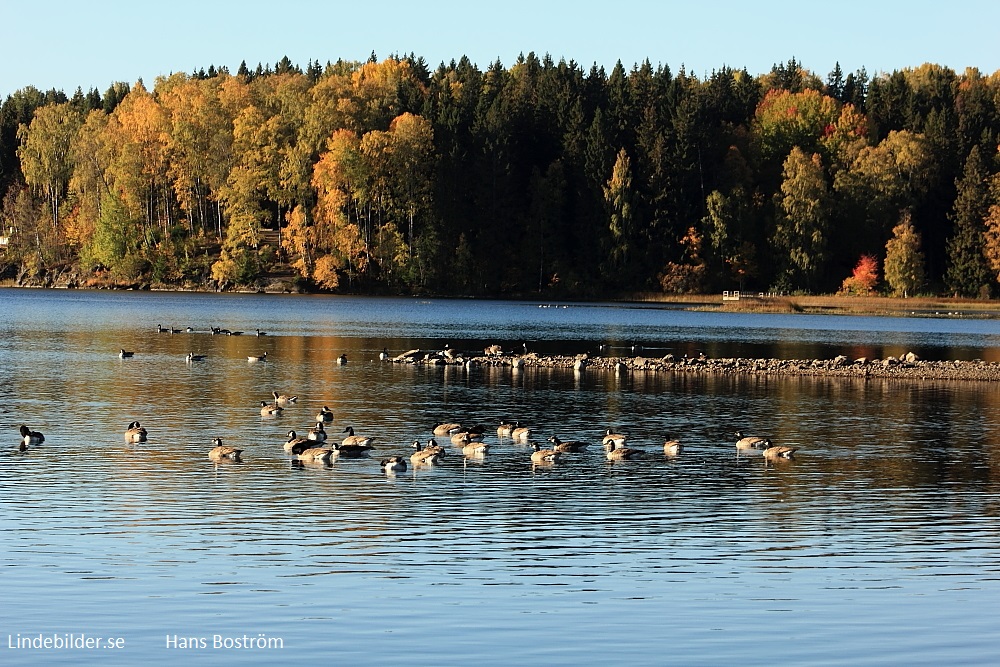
{"x": 393, "y": 464}
{"x": 447, "y": 428}
{"x": 505, "y": 429}
{"x": 124, "y": 354}
{"x": 520, "y": 433}
{"x": 257, "y": 357}
{"x": 342, "y": 360}
{"x": 571, "y": 446}
{"x": 617, "y": 438}
{"x": 775, "y": 452}
{"x": 356, "y": 440}
{"x": 191, "y": 356}
{"x": 295, "y": 441}
{"x": 324, "y": 415}
{"x": 543, "y": 455}
{"x": 283, "y": 399}
{"x": 317, "y": 434}
{"x": 135, "y": 432}
{"x": 29, "y": 437}
{"x": 429, "y": 456}
{"x": 270, "y": 409}
{"x": 223, "y": 452}
{"x": 616, "y": 453}
{"x": 744, "y": 442}
{"x": 672, "y": 447}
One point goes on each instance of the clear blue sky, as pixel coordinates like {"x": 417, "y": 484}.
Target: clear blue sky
{"x": 68, "y": 44}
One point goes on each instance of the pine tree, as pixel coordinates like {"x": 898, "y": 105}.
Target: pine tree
{"x": 968, "y": 273}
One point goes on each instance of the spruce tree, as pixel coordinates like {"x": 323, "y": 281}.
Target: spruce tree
{"x": 967, "y": 273}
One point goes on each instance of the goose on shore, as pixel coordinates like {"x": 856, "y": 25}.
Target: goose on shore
{"x": 135, "y": 432}
{"x": 29, "y": 437}
{"x": 224, "y": 452}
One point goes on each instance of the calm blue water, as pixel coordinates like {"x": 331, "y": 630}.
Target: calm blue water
{"x": 877, "y": 545}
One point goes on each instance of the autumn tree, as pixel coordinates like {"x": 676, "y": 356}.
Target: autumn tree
{"x": 864, "y": 278}
{"x": 992, "y": 231}
{"x": 904, "y": 260}
{"x": 802, "y": 228}
{"x": 619, "y": 197}
{"x": 45, "y": 155}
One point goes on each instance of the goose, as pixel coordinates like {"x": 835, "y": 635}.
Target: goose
{"x": 123, "y": 354}
{"x": 672, "y": 447}
{"x": 342, "y": 360}
{"x": 617, "y": 438}
{"x": 191, "y": 356}
{"x": 29, "y": 437}
{"x": 283, "y": 399}
{"x": 297, "y": 442}
{"x": 189, "y": 329}
{"x": 475, "y": 449}
{"x": 465, "y": 437}
{"x": 429, "y": 456}
{"x": 356, "y": 440}
{"x": 393, "y": 464}
{"x": 169, "y": 330}
{"x": 261, "y": 333}
{"x": 352, "y": 450}
{"x": 233, "y": 333}
{"x": 317, "y": 434}
{"x": 543, "y": 455}
{"x": 774, "y": 452}
{"x": 384, "y": 354}
{"x": 749, "y": 441}
{"x": 269, "y": 409}
{"x": 224, "y": 452}
{"x": 572, "y": 446}
{"x": 257, "y": 357}
{"x": 135, "y": 433}
{"x": 314, "y": 454}
{"x": 616, "y": 453}
{"x": 520, "y": 433}
{"x": 324, "y": 415}
{"x": 449, "y": 428}
{"x": 506, "y": 429}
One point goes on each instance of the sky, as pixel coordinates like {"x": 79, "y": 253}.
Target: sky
{"x": 66, "y": 44}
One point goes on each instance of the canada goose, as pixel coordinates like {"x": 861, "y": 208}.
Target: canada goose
{"x": 270, "y": 409}
{"x": 520, "y": 433}
{"x": 617, "y": 438}
{"x": 296, "y": 441}
{"x": 317, "y": 434}
{"x": 324, "y": 415}
{"x": 774, "y": 452}
{"x": 672, "y": 447}
{"x": 29, "y": 437}
{"x": 352, "y": 450}
{"x": 135, "y": 433}
{"x": 257, "y": 357}
{"x": 224, "y": 452}
{"x": 342, "y": 360}
{"x": 506, "y": 429}
{"x": 543, "y": 455}
{"x": 475, "y": 448}
{"x": 465, "y": 437}
{"x": 314, "y": 454}
{"x": 449, "y": 428}
{"x": 393, "y": 464}
{"x": 749, "y": 441}
{"x": 194, "y": 357}
{"x": 616, "y": 453}
{"x": 233, "y": 333}
{"x": 356, "y": 440}
{"x": 283, "y": 399}
{"x": 493, "y": 351}
{"x": 429, "y": 456}
{"x": 571, "y": 446}
{"x": 170, "y": 330}
{"x": 261, "y": 333}
{"x": 384, "y": 354}
{"x": 122, "y": 354}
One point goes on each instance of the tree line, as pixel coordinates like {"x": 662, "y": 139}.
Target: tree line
{"x": 542, "y": 177}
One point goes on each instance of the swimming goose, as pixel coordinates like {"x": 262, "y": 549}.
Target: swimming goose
{"x": 543, "y": 455}
{"x": 342, "y": 360}
{"x": 384, "y": 354}
{"x": 269, "y": 409}
{"x": 283, "y": 399}
{"x": 296, "y": 441}
{"x": 352, "y": 450}
{"x": 325, "y": 415}
{"x": 29, "y": 437}
{"x": 224, "y": 452}
{"x": 472, "y": 448}
{"x": 261, "y": 333}
{"x": 506, "y": 429}
{"x": 170, "y": 330}
{"x": 672, "y": 447}
{"x": 449, "y": 428}
{"x": 429, "y": 456}
{"x": 520, "y": 433}
{"x": 356, "y": 440}
{"x": 122, "y": 354}
{"x": 317, "y": 434}
{"x": 618, "y": 438}
{"x": 314, "y": 454}
{"x": 233, "y": 333}
{"x": 465, "y": 437}
{"x": 616, "y": 453}
{"x": 774, "y": 452}
{"x": 393, "y": 464}
{"x": 571, "y": 446}
{"x": 749, "y": 442}
{"x": 257, "y": 357}
{"x": 135, "y": 433}
{"x": 194, "y": 357}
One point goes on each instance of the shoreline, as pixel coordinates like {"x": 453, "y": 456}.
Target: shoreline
{"x": 908, "y": 367}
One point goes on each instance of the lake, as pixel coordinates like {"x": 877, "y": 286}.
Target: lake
{"x": 879, "y": 544}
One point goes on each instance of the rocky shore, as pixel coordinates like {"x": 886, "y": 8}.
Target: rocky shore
{"x": 909, "y": 366}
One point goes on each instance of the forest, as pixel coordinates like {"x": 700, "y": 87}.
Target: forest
{"x": 541, "y": 178}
